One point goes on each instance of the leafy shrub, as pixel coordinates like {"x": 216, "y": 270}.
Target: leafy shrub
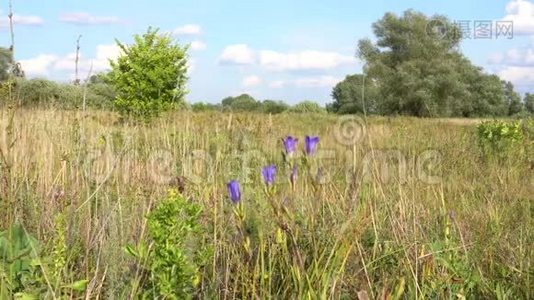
{"x": 18, "y": 250}
{"x": 150, "y": 76}
{"x": 499, "y": 137}
{"x": 201, "y": 106}
{"x": 243, "y": 102}
{"x": 100, "y": 95}
{"x": 273, "y": 107}
{"x": 307, "y": 107}
{"x": 168, "y": 263}
{"x": 6, "y": 59}
{"x": 46, "y": 93}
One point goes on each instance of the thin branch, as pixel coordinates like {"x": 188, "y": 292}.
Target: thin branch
{"x": 76, "y": 78}
{"x": 12, "y": 47}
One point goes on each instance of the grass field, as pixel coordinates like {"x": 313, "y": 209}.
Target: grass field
{"x": 387, "y": 208}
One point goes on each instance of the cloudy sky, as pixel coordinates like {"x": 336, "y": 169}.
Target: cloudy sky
{"x": 282, "y": 50}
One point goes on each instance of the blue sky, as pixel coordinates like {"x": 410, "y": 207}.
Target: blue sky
{"x": 281, "y": 50}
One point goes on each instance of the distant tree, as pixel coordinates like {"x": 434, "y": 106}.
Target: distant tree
{"x": 101, "y": 77}
{"x": 243, "y": 102}
{"x": 6, "y": 60}
{"x": 347, "y": 96}
{"x": 150, "y": 75}
{"x": 512, "y": 98}
{"x": 307, "y": 106}
{"x": 201, "y": 106}
{"x": 419, "y": 70}
{"x": 227, "y": 102}
{"x": 529, "y": 103}
{"x": 273, "y": 107}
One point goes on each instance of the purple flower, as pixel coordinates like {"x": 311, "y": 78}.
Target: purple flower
{"x": 290, "y": 144}
{"x": 234, "y": 190}
{"x": 268, "y": 173}
{"x": 293, "y": 175}
{"x": 311, "y": 144}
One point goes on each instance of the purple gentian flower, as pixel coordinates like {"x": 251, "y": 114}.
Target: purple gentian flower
{"x": 290, "y": 144}
{"x": 234, "y": 190}
{"x": 311, "y": 144}
{"x": 268, "y": 173}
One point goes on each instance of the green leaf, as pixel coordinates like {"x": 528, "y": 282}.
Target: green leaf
{"x": 25, "y": 296}
{"x": 79, "y": 285}
{"x": 130, "y": 250}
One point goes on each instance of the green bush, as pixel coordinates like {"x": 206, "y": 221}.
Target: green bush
{"x": 201, "y": 106}
{"x": 46, "y": 93}
{"x": 307, "y": 107}
{"x": 499, "y": 137}
{"x": 241, "y": 103}
{"x": 18, "y": 250}
{"x": 6, "y": 60}
{"x": 273, "y": 107}
{"x": 150, "y": 76}
{"x": 169, "y": 262}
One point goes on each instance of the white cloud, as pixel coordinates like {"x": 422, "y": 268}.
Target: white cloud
{"x": 307, "y": 82}
{"x": 191, "y": 65}
{"x": 28, "y": 20}
{"x": 198, "y": 46}
{"x": 68, "y": 62}
{"x": 277, "y": 84}
{"x": 103, "y": 54}
{"x": 514, "y": 57}
{"x": 39, "y": 65}
{"x": 97, "y": 64}
{"x": 305, "y": 60}
{"x": 251, "y": 81}
{"x": 321, "y": 81}
{"x": 239, "y": 54}
{"x": 519, "y": 75}
{"x": 84, "y": 18}
{"x": 521, "y": 13}
{"x": 45, "y": 64}
{"x": 188, "y": 29}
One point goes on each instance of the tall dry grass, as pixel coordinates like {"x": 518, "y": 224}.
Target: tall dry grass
{"x": 407, "y": 209}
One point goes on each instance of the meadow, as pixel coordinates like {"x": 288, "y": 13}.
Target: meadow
{"x": 385, "y": 208}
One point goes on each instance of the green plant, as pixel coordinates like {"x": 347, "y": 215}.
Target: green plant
{"x": 18, "y": 252}
{"x": 150, "y": 75}
{"x": 45, "y": 93}
{"x": 6, "y": 60}
{"x": 307, "y": 107}
{"x": 168, "y": 262}
{"x": 499, "y": 137}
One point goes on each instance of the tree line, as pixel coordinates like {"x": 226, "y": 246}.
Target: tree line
{"x": 415, "y": 69}
{"x": 409, "y": 69}
{"x": 246, "y": 103}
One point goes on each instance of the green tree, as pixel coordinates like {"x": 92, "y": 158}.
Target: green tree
{"x": 201, "y": 106}
{"x": 150, "y": 75}
{"x": 243, "y": 102}
{"x": 273, "y": 107}
{"x": 419, "y": 70}
{"x": 529, "y": 103}
{"x": 227, "y": 102}
{"x": 513, "y": 100}
{"x": 348, "y": 94}
{"x": 6, "y": 60}
{"x": 307, "y": 106}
